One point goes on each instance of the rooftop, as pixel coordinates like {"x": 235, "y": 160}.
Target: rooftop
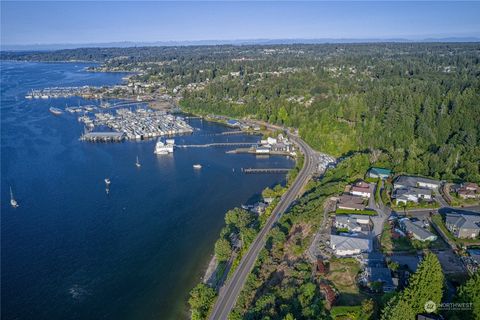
{"x": 464, "y": 221}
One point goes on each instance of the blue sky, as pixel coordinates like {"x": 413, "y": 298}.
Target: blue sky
{"x": 41, "y": 22}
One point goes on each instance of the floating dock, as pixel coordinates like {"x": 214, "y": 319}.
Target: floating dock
{"x": 266, "y": 170}
{"x": 218, "y": 144}
{"x": 103, "y": 137}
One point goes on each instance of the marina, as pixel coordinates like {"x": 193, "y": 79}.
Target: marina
{"x": 139, "y": 124}
{"x": 63, "y": 92}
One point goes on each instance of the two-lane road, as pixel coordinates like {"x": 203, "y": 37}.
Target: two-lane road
{"x": 229, "y": 292}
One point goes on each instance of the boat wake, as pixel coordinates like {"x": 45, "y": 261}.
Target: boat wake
{"x": 78, "y": 292}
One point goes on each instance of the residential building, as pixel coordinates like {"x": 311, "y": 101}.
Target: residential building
{"x": 351, "y": 244}
{"x": 350, "y": 202}
{"x": 468, "y": 190}
{"x": 413, "y": 194}
{"x": 353, "y": 222}
{"x": 405, "y": 182}
{"x": 381, "y": 173}
{"x": 381, "y": 274}
{"x": 361, "y": 189}
{"x": 259, "y": 208}
{"x": 416, "y": 230}
{"x": 463, "y": 225}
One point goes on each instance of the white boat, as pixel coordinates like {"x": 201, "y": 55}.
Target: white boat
{"x": 162, "y": 148}
{"x": 138, "y": 163}
{"x": 55, "y": 111}
{"x": 107, "y": 182}
{"x": 197, "y": 166}
{"x": 13, "y": 202}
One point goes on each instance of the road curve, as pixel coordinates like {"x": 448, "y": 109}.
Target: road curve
{"x": 228, "y": 294}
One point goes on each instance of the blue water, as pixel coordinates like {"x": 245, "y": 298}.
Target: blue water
{"x": 70, "y": 251}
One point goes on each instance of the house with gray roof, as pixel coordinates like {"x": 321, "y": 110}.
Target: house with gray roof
{"x": 416, "y": 230}
{"x": 352, "y": 222}
{"x": 349, "y": 202}
{"x": 412, "y": 194}
{"x": 382, "y": 274}
{"x": 350, "y": 244}
{"x": 405, "y": 182}
{"x": 463, "y": 225}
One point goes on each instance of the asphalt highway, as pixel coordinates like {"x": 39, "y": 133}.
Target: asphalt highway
{"x": 229, "y": 292}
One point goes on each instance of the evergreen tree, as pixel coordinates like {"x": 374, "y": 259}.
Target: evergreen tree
{"x": 426, "y": 284}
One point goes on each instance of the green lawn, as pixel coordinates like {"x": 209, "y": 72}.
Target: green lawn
{"x": 365, "y": 212}
{"x": 346, "y": 312}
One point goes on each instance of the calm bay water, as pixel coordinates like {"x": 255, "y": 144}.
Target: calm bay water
{"x": 70, "y": 251}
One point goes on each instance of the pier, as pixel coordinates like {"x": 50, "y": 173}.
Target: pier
{"x": 103, "y": 137}
{"x": 218, "y": 144}
{"x": 266, "y": 170}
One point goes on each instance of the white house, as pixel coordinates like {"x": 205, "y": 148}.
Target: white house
{"x": 348, "y": 245}
{"x": 361, "y": 189}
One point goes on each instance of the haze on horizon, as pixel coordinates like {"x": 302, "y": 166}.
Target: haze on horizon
{"x": 71, "y": 22}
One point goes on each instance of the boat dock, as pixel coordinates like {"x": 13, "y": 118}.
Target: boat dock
{"x": 265, "y": 170}
{"x": 103, "y": 137}
{"x": 139, "y": 124}
{"x": 218, "y": 144}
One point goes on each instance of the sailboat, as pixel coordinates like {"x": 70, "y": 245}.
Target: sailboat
{"x": 138, "y": 163}
{"x": 13, "y": 202}
{"x": 107, "y": 185}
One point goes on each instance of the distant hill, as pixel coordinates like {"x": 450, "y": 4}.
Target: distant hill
{"x": 126, "y": 44}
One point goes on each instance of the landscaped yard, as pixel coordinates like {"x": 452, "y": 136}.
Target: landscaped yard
{"x": 390, "y": 244}
{"x": 343, "y": 274}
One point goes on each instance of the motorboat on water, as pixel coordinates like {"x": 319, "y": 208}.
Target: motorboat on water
{"x": 138, "y": 163}
{"x": 13, "y": 202}
{"x": 55, "y": 111}
{"x": 107, "y": 181}
{"x": 197, "y": 166}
